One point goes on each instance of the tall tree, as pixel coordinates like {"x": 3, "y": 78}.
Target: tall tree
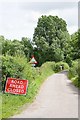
{"x": 12, "y": 47}
{"x": 75, "y": 45}
{"x": 1, "y": 43}
{"x": 27, "y": 47}
{"x": 51, "y": 38}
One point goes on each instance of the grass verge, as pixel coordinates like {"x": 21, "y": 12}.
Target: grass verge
{"x": 0, "y": 105}
{"x": 76, "y": 81}
{"x": 74, "y": 72}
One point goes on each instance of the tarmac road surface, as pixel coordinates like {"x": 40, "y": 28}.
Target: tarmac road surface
{"x": 57, "y": 98}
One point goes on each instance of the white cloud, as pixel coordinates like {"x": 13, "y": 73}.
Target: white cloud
{"x": 72, "y": 29}
{"x": 32, "y": 16}
{"x": 16, "y": 22}
{"x": 70, "y": 16}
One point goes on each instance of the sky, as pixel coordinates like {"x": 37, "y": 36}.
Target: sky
{"x": 18, "y": 18}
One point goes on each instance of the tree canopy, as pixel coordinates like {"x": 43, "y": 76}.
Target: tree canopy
{"x": 51, "y": 42}
{"x": 51, "y": 38}
{"x": 13, "y": 47}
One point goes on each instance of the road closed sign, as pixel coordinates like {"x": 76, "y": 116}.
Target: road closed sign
{"x": 16, "y": 86}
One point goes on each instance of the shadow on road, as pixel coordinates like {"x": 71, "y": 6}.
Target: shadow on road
{"x": 70, "y": 84}
{"x": 64, "y": 72}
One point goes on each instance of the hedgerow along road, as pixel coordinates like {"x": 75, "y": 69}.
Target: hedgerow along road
{"x": 57, "y": 98}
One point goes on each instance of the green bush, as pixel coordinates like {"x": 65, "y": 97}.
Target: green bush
{"x": 73, "y": 71}
{"x": 0, "y": 72}
{"x": 17, "y": 67}
{"x": 58, "y": 65}
{"x": 68, "y": 60}
{"x": 76, "y": 82}
{"x": 79, "y": 70}
{"x": 47, "y": 67}
{"x": 12, "y": 103}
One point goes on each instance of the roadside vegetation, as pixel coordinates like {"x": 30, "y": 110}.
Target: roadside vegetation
{"x": 36, "y": 76}
{"x": 73, "y": 73}
{"x": 12, "y": 103}
{"x": 54, "y": 49}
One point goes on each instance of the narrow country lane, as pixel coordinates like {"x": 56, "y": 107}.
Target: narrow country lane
{"x": 57, "y": 98}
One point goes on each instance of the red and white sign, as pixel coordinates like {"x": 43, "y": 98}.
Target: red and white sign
{"x": 33, "y": 61}
{"x": 16, "y": 86}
